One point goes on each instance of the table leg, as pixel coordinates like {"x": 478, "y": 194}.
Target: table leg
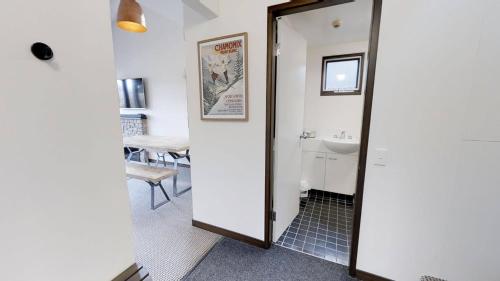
{"x": 129, "y": 157}
{"x": 176, "y": 158}
{"x": 145, "y": 155}
{"x": 131, "y": 153}
{"x": 157, "y": 159}
{"x": 162, "y": 156}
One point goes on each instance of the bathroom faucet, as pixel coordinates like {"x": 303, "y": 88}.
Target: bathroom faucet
{"x": 342, "y": 135}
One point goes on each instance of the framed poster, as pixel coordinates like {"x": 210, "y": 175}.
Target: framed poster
{"x": 223, "y": 73}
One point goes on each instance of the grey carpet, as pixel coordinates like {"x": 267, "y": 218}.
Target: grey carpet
{"x": 233, "y": 260}
{"x": 164, "y": 240}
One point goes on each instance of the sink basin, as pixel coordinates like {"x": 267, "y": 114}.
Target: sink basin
{"x": 344, "y": 146}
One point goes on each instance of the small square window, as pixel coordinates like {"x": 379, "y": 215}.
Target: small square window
{"x": 342, "y": 75}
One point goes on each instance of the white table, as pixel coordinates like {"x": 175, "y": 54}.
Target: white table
{"x": 177, "y": 147}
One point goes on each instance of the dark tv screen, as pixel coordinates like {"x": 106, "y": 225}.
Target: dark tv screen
{"x": 132, "y": 93}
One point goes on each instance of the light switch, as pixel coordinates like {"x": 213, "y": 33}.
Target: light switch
{"x": 381, "y": 157}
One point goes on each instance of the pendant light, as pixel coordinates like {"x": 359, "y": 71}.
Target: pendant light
{"x": 130, "y": 17}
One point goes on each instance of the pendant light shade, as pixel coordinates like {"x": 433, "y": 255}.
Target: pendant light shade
{"x": 130, "y": 17}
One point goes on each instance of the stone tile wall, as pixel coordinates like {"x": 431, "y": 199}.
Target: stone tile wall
{"x": 133, "y": 125}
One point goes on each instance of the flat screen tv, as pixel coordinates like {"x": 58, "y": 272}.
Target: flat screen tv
{"x": 132, "y": 94}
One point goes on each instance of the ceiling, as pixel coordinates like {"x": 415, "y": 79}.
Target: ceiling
{"x": 316, "y": 25}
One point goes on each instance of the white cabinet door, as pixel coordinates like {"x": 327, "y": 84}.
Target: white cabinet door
{"x": 341, "y": 172}
{"x": 313, "y": 169}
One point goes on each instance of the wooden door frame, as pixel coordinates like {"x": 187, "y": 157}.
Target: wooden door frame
{"x": 297, "y": 6}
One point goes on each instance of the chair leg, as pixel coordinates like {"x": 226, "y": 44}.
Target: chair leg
{"x": 153, "y": 206}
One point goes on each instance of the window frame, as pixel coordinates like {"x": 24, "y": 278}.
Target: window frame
{"x": 338, "y": 58}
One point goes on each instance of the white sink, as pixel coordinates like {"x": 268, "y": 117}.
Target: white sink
{"x": 344, "y": 146}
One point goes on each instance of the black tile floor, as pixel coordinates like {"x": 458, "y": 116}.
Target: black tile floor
{"x": 322, "y": 228}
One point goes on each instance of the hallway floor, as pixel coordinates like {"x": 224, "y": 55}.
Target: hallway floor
{"x": 164, "y": 240}
{"x": 231, "y": 260}
{"x": 322, "y": 228}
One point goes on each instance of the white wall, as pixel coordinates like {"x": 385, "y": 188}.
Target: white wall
{"x": 157, "y": 55}
{"x": 434, "y": 208}
{"x": 64, "y": 209}
{"x": 228, "y": 167}
{"x": 328, "y": 115}
{"x": 206, "y": 8}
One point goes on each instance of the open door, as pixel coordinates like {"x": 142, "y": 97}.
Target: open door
{"x": 290, "y": 92}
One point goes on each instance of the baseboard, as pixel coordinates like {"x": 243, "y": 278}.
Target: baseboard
{"x": 331, "y": 194}
{"x": 133, "y": 272}
{"x": 367, "y": 276}
{"x": 229, "y": 234}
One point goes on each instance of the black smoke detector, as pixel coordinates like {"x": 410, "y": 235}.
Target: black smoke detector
{"x": 42, "y": 51}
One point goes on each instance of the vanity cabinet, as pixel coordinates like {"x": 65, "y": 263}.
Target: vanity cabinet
{"x": 340, "y": 173}
{"x": 313, "y": 169}
{"x": 330, "y": 171}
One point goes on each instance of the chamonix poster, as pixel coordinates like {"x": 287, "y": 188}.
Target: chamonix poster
{"x": 223, "y": 78}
